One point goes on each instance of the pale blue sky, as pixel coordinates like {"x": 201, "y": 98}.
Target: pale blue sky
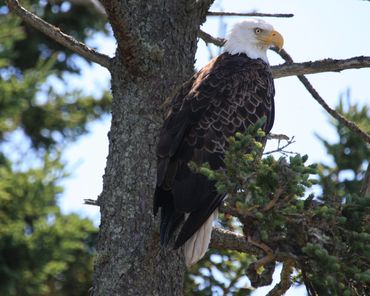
{"x": 319, "y": 29}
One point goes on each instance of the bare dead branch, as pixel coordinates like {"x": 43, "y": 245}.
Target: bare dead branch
{"x": 326, "y": 65}
{"x": 350, "y": 124}
{"x": 224, "y": 239}
{"x": 285, "y": 281}
{"x": 277, "y": 137}
{"x": 57, "y": 35}
{"x": 365, "y": 187}
{"x": 281, "y": 149}
{"x": 256, "y": 14}
{"x": 91, "y": 202}
{"x": 207, "y": 38}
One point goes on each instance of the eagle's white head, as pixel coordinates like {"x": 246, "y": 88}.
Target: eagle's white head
{"x": 253, "y": 37}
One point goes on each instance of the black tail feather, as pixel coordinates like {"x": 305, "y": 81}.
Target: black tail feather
{"x": 197, "y": 218}
{"x": 170, "y": 218}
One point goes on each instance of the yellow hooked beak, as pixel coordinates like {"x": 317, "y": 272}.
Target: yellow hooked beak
{"x": 273, "y": 38}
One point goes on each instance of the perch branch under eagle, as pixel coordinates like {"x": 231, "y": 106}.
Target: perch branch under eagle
{"x": 230, "y": 93}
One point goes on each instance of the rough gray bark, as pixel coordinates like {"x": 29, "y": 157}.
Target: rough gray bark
{"x": 156, "y": 46}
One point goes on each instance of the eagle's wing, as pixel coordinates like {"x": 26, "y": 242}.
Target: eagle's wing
{"x": 226, "y": 96}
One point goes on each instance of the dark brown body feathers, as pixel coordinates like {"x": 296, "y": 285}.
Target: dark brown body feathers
{"x": 226, "y": 96}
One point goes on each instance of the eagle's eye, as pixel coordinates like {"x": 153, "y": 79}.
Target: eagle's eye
{"x": 257, "y": 30}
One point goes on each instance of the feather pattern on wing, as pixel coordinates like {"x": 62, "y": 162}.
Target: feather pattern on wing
{"x": 225, "y": 97}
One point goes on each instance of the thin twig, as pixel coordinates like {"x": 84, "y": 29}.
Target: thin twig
{"x": 277, "y": 137}
{"x": 207, "y": 38}
{"x": 281, "y": 149}
{"x": 264, "y": 247}
{"x": 256, "y": 14}
{"x": 91, "y": 202}
{"x": 57, "y": 35}
{"x": 350, "y": 124}
{"x": 272, "y": 202}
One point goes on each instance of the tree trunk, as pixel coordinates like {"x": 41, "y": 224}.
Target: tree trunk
{"x": 156, "y": 47}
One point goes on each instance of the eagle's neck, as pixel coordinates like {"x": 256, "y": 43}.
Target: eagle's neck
{"x": 253, "y": 51}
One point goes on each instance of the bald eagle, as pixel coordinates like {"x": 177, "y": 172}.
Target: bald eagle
{"x": 230, "y": 93}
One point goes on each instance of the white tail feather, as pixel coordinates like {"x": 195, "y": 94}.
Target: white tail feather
{"x": 197, "y": 245}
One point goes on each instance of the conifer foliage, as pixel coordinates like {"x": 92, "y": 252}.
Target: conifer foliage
{"x": 324, "y": 237}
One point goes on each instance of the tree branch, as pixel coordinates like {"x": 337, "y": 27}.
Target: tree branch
{"x": 326, "y": 65}
{"x": 350, "y": 124}
{"x": 281, "y": 149}
{"x": 91, "y": 202}
{"x": 285, "y": 281}
{"x": 57, "y": 35}
{"x": 221, "y": 13}
{"x": 207, "y": 38}
{"x": 279, "y": 137}
{"x": 225, "y": 239}
{"x": 127, "y": 35}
